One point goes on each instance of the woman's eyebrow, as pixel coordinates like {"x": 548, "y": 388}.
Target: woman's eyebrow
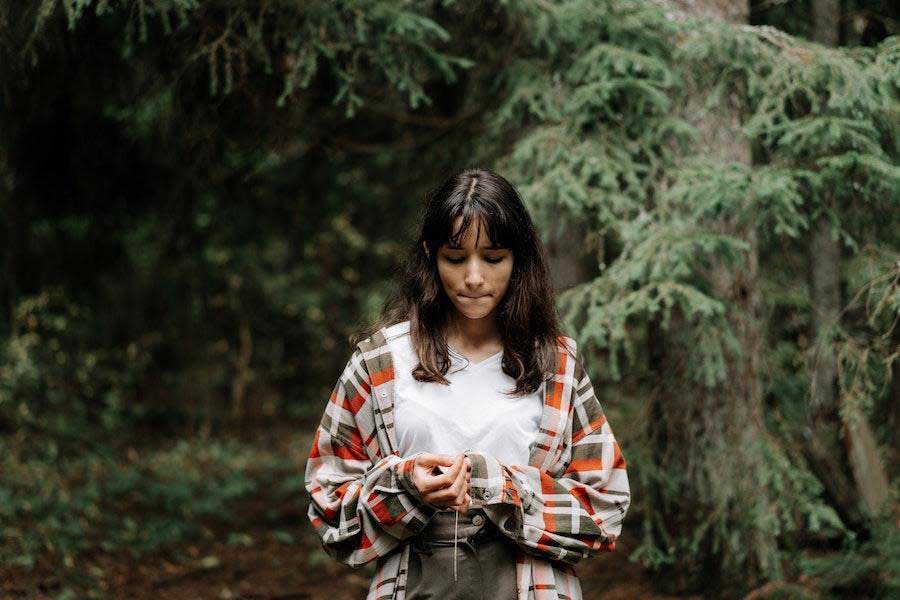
{"x": 491, "y": 247}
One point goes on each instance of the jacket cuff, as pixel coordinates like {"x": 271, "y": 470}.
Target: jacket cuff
{"x": 492, "y": 485}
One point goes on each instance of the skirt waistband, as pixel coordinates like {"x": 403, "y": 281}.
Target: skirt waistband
{"x": 444, "y": 528}
{"x": 449, "y": 528}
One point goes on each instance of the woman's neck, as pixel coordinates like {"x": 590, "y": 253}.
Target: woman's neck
{"x": 463, "y": 333}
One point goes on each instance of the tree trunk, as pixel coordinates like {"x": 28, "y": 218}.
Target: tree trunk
{"x": 892, "y": 413}
{"x": 709, "y": 443}
{"x": 838, "y": 434}
{"x": 11, "y": 229}
{"x": 568, "y": 263}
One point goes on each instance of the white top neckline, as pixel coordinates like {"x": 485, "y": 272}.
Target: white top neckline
{"x": 476, "y": 411}
{"x": 484, "y": 361}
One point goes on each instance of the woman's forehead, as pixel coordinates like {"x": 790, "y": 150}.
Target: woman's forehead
{"x": 476, "y": 235}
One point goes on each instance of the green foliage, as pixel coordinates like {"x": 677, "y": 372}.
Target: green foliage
{"x": 134, "y": 502}
{"x": 868, "y": 356}
{"x": 358, "y": 43}
{"x": 674, "y": 239}
{"x": 58, "y": 377}
{"x": 870, "y": 568}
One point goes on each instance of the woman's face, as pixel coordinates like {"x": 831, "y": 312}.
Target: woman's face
{"x": 475, "y": 277}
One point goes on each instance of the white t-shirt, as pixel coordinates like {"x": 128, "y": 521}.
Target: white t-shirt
{"x": 472, "y": 413}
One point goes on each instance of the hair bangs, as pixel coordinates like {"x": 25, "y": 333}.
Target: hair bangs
{"x": 494, "y": 223}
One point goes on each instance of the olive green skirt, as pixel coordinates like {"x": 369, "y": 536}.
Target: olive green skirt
{"x": 484, "y": 565}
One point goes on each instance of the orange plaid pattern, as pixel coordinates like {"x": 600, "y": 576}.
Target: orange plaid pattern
{"x": 567, "y": 503}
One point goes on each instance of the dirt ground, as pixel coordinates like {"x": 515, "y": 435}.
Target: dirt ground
{"x": 272, "y": 570}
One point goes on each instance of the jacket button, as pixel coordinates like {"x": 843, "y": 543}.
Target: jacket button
{"x": 486, "y": 494}
{"x": 477, "y": 520}
{"x": 383, "y": 393}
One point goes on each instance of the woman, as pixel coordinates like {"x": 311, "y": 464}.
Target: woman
{"x": 463, "y": 448}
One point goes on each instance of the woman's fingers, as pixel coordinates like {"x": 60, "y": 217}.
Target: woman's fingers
{"x": 464, "y": 505}
{"x": 462, "y": 477}
{"x": 455, "y": 493}
{"x": 438, "y": 482}
{"x": 463, "y": 492}
{"x": 424, "y": 469}
{"x": 426, "y": 459}
{"x": 444, "y": 480}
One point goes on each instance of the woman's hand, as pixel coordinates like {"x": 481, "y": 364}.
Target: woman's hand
{"x": 443, "y": 481}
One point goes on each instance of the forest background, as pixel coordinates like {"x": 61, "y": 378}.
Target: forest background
{"x": 202, "y": 201}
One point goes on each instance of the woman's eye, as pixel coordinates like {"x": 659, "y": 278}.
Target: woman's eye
{"x": 489, "y": 259}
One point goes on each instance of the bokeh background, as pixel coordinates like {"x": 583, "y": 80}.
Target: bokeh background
{"x": 202, "y": 201}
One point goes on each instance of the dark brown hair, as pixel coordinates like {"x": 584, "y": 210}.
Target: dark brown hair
{"x": 526, "y": 315}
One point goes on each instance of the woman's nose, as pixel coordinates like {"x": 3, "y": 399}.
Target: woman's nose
{"x": 473, "y": 274}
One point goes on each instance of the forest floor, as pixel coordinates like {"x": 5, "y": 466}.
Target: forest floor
{"x": 264, "y": 549}
{"x": 263, "y": 567}
{"x": 271, "y": 570}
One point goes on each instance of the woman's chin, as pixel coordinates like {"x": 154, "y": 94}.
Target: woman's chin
{"x": 474, "y": 315}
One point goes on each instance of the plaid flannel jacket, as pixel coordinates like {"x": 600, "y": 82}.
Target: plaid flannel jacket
{"x": 566, "y": 504}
